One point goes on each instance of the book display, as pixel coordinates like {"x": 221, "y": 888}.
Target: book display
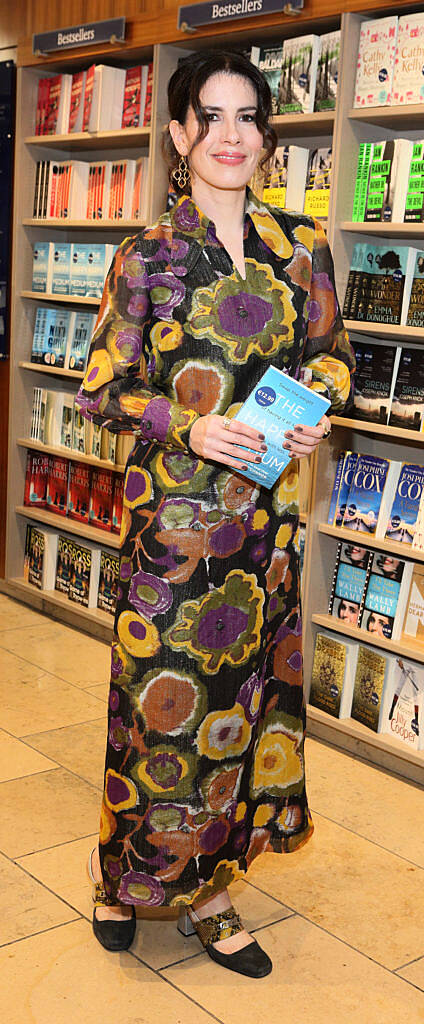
{"x": 89, "y": 172}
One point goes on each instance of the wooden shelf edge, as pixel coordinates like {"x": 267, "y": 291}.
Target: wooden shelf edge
{"x": 58, "y": 371}
{"x": 66, "y": 525}
{"x": 402, "y": 112}
{"x": 368, "y": 541}
{"x": 387, "y": 229}
{"x": 396, "y": 331}
{"x": 92, "y": 225}
{"x": 69, "y": 453}
{"x": 79, "y": 300}
{"x": 379, "y": 748}
{"x": 89, "y": 140}
{"x": 91, "y": 620}
{"x": 368, "y": 427}
{"x": 404, "y": 646}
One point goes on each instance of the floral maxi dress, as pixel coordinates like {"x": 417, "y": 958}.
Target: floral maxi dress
{"x": 205, "y": 751}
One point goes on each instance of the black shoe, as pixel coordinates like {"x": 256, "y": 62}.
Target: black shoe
{"x": 251, "y": 960}
{"x": 114, "y": 936}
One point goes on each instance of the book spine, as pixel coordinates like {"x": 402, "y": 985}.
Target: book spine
{"x": 148, "y": 103}
{"x": 358, "y": 183}
{"x": 336, "y": 488}
{"x": 371, "y": 556}
{"x": 334, "y": 579}
{"x": 363, "y": 189}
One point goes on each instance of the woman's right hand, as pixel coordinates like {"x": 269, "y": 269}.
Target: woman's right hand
{"x": 210, "y": 439}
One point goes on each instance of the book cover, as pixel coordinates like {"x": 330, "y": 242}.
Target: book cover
{"x": 365, "y": 154}
{"x": 384, "y": 603}
{"x": 118, "y": 501}
{"x": 65, "y": 546}
{"x": 391, "y": 275}
{"x": 332, "y": 675}
{"x": 78, "y": 431}
{"x": 81, "y": 330}
{"x": 276, "y": 404}
{"x": 415, "y": 313}
{"x": 350, "y": 575}
{"x": 367, "y": 703}
{"x": 407, "y": 408}
{"x": 79, "y": 491}
{"x": 349, "y": 466}
{"x": 36, "y": 479}
{"x": 269, "y": 60}
{"x": 404, "y": 510}
{"x": 362, "y": 282}
{"x": 336, "y": 487}
{"x": 275, "y": 183}
{"x": 57, "y": 487}
{"x": 376, "y": 62}
{"x": 41, "y": 267}
{"x": 296, "y": 89}
{"x": 67, "y": 417}
{"x": 408, "y": 82}
{"x": 79, "y": 268}
{"x": 365, "y": 495}
{"x": 76, "y": 107}
{"x": 54, "y": 333}
{"x": 418, "y": 541}
{"x": 96, "y": 271}
{"x": 61, "y": 268}
{"x": 328, "y": 71}
{"x": 83, "y": 583}
{"x": 403, "y": 708}
{"x": 414, "y": 615}
{"x": 108, "y": 581}
{"x": 350, "y": 303}
{"x": 318, "y": 183}
{"x": 132, "y": 98}
{"x": 375, "y": 365}
{"x": 41, "y": 549}
{"x": 101, "y": 499}
{"x": 149, "y": 92}
{"x": 388, "y": 180}
{"x": 88, "y": 97}
{"x": 414, "y": 202}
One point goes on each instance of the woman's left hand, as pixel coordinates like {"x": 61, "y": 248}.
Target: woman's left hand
{"x": 303, "y": 440}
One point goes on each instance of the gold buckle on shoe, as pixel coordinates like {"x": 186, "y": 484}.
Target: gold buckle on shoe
{"x": 101, "y": 898}
{"x": 217, "y": 927}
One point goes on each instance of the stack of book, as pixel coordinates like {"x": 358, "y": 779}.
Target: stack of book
{"x": 376, "y": 496}
{"x": 299, "y": 179}
{"x": 390, "y": 61}
{"x": 62, "y": 338}
{"x": 100, "y": 190}
{"x": 86, "y": 575}
{"x": 75, "y": 489}
{"x": 383, "y": 692}
{"x": 389, "y": 384}
{"x": 56, "y": 421}
{"x": 389, "y": 183}
{"x": 385, "y": 284}
{"x": 71, "y": 268}
{"x": 103, "y": 98}
{"x": 369, "y": 590}
{"x": 302, "y": 73}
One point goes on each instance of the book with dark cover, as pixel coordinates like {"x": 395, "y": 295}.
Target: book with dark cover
{"x": 384, "y": 602}
{"x": 371, "y": 671}
{"x": 388, "y": 180}
{"x": 36, "y": 479}
{"x": 354, "y": 279}
{"x": 318, "y": 183}
{"x": 332, "y": 675}
{"x": 57, "y": 489}
{"x": 405, "y": 507}
{"x": 79, "y": 582}
{"x": 345, "y": 485}
{"x": 349, "y": 582}
{"x": 373, "y": 380}
{"x": 365, "y": 495}
{"x": 269, "y": 60}
{"x": 108, "y": 581}
{"x": 35, "y": 557}
{"x": 79, "y": 491}
{"x": 362, "y": 285}
{"x": 415, "y": 314}
{"x": 414, "y": 205}
{"x": 336, "y": 487}
{"x": 101, "y": 499}
{"x": 65, "y": 546}
{"x": 392, "y": 268}
{"x": 407, "y": 409}
{"x": 118, "y": 500}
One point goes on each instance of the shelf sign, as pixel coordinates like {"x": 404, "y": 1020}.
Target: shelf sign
{"x": 111, "y": 31}
{"x": 191, "y": 16}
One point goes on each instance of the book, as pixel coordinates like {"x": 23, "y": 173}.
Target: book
{"x": 57, "y": 487}
{"x": 76, "y": 108}
{"x": 350, "y": 303}
{"x": 296, "y": 89}
{"x": 401, "y": 521}
{"x": 66, "y": 421}
{"x": 336, "y": 487}
{"x": 376, "y": 62}
{"x": 80, "y": 332}
{"x": 65, "y": 547}
{"x": 363, "y": 166}
{"x": 84, "y": 576}
{"x": 348, "y": 586}
{"x": 418, "y": 541}
{"x": 79, "y": 491}
{"x": 107, "y": 98}
{"x": 407, "y": 408}
{"x": 149, "y": 93}
{"x": 88, "y": 97}
{"x": 269, "y": 60}
{"x": 403, "y": 704}
{"x": 108, "y": 581}
{"x": 101, "y": 499}
{"x": 349, "y": 465}
{"x": 318, "y": 183}
{"x": 388, "y": 180}
{"x": 118, "y": 501}
{"x": 408, "y": 85}
{"x": 327, "y": 71}
{"x": 414, "y": 614}
{"x": 40, "y": 557}
{"x": 36, "y": 479}
{"x": 57, "y": 98}
{"x": 133, "y": 99}
{"x": 285, "y": 182}
{"x": 383, "y": 607}
{"x": 41, "y": 267}
{"x": 376, "y": 367}
{"x": 61, "y": 268}
{"x": 415, "y": 311}
{"x": 414, "y": 202}
{"x": 372, "y": 670}
{"x": 389, "y": 283}
{"x": 78, "y": 431}
{"x": 275, "y": 405}
{"x": 333, "y": 673}
{"x": 369, "y": 480}
{"x": 50, "y": 336}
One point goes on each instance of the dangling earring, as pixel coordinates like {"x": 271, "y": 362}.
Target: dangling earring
{"x": 181, "y": 174}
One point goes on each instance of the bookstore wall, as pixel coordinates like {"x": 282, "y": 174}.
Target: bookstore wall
{"x": 348, "y": 108}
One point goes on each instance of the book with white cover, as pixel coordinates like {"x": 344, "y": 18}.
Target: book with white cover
{"x": 402, "y": 714}
{"x": 296, "y": 90}
{"x": 67, "y": 417}
{"x": 408, "y": 79}
{"x": 64, "y": 105}
{"x": 54, "y": 416}
{"x": 78, "y": 191}
{"x": 414, "y": 615}
{"x": 286, "y": 178}
{"x": 108, "y": 98}
{"x": 376, "y": 61}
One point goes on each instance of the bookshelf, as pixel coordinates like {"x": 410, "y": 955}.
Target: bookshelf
{"x": 344, "y": 129}
{"x": 69, "y": 453}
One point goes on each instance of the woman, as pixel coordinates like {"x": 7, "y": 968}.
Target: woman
{"x": 204, "y": 762}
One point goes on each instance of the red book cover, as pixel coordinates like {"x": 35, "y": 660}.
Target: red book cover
{"x": 57, "y": 490}
{"x": 112, "y": 191}
{"x": 108, "y": 582}
{"x": 90, "y": 193}
{"x": 118, "y": 501}
{"x": 131, "y": 108}
{"x": 65, "y": 547}
{"x": 76, "y": 98}
{"x": 88, "y": 97}
{"x": 101, "y": 499}
{"x": 36, "y": 479}
{"x": 40, "y": 105}
{"x": 148, "y": 103}
{"x": 79, "y": 491}
{"x": 52, "y": 108}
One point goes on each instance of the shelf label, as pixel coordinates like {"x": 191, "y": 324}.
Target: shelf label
{"x": 191, "y": 16}
{"x": 111, "y": 31}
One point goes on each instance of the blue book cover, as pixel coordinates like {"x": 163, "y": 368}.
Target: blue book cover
{"x": 38, "y": 335}
{"x": 96, "y": 271}
{"x": 55, "y": 337}
{"x": 406, "y": 503}
{"x": 61, "y": 268}
{"x": 82, "y": 330}
{"x": 365, "y": 495}
{"x": 336, "y": 487}
{"x": 276, "y": 404}
{"x": 40, "y": 266}
{"x": 382, "y": 595}
{"x": 349, "y": 465}
{"x": 349, "y": 582}
{"x": 79, "y": 268}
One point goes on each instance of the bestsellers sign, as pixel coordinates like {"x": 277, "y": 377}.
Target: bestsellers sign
{"x": 112, "y": 30}
{"x": 194, "y": 15}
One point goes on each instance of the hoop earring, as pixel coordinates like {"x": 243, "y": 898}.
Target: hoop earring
{"x": 181, "y": 174}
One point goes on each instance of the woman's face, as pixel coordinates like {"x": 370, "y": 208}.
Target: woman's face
{"x": 355, "y": 553}
{"x": 378, "y": 624}
{"x": 227, "y": 157}
{"x": 349, "y": 611}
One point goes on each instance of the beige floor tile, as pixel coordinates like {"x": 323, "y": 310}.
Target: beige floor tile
{"x": 63, "y": 870}
{"x": 356, "y": 890}
{"x": 100, "y": 690}
{"x": 414, "y": 973}
{"x": 16, "y": 759}
{"x": 67, "y": 653}
{"x": 46, "y": 809}
{"x": 362, "y": 802}
{"x": 80, "y": 748}
{"x": 26, "y": 906}
{"x": 32, "y": 700}
{"x": 315, "y": 979}
{"x": 65, "y": 976}
{"x": 15, "y": 615}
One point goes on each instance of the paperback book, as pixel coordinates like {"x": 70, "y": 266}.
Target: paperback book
{"x": 118, "y": 502}
{"x": 82, "y": 328}
{"x": 415, "y": 314}
{"x": 403, "y": 514}
{"x": 372, "y": 669}
{"x": 84, "y": 578}
{"x": 101, "y": 499}
{"x": 388, "y": 180}
{"x": 333, "y": 673}
{"x": 370, "y": 478}
{"x": 348, "y": 469}
{"x": 328, "y": 71}
{"x": 108, "y": 581}
{"x": 407, "y": 408}
{"x": 79, "y": 491}
{"x": 65, "y": 547}
{"x": 318, "y": 183}
{"x": 403, "y": 706}
{"x": 41, "y": 267}
{"x": 376, "y": 367}
{"x": 36, "y": 479}
{"x": 414, "y": 203}
{"x": 57, "y": 488}
{"x": 284, "y": 185}
{"x": 383, "y": 608}
{"x": 40, "y": 557}
{"x": 348, "y": 587}
{"x": 376, "y": 61}
{"x": 414, "y": 615}
{"x": 408, "y": 83}
{"x": 365, "y": 155}
{"x": 269, "y": 60}
{"x": 296, "y": 90}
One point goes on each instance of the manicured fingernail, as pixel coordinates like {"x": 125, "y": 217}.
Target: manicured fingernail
{"x": 243, "y": 467}
{"x": 288, "y": 434}
{"x": 288, "y": 445}
{"x": 300, "y": 429}
{"x": 258, "y": 458}
{"x": 264, "y": 448}
{"x": 261, "y": 437}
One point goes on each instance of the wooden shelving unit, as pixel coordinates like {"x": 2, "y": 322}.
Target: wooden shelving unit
{"x": 386, "y": 230}
{"x": 350, "y": 735}
{"x": 393, "y": 332}
{"x": 88, "y": 620}
{"x": 67, "y": 525}
{"x": 405, "y": 645}
{"x": 413, "y": 436}
{"x": 81, "y": 141}
{"x": 62, "y": 224}
{"x": 406, "y": 117}
{"x": 378, "y": 543}
{"x": 55, "y": 371}
{"x": 69, "y": 453}
{"x": 70, "y": 300}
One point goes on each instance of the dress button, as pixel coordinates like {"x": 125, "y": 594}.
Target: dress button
{"x": 242, "y": 312}
{"x": 147, "y": 425}
{"x": 220, "y": 625}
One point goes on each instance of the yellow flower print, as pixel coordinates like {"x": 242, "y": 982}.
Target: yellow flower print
{"x": 284, "y": 534}
{"x": 260, "y": 519}
{"x": 99, "y": 370}
{"x": 107, "y": 823}
{"x": 286, "y": 494}
{"x": 271, "y": 233}
{"x": 240, "y": 811}
{"x": 167, "y": 335}
{"x": 224, "y": 734}
{"x": 305, "y": 236}
{"x": 138, "y": 487}
{"x": 139, "y": 636}
{"x": 120, "y": 793}
{"x": 278, "y": 762}
{"x": 263, "y": 815}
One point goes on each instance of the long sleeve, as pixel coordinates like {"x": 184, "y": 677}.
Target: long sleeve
{"x": 328, "y": 352}
{"x": 118, "y": 391}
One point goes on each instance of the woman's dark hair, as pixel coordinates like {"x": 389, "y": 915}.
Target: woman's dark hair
{"x": 185, "y": 86}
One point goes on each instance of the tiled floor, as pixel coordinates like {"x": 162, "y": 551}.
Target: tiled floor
{"x": 343, "y": 918}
